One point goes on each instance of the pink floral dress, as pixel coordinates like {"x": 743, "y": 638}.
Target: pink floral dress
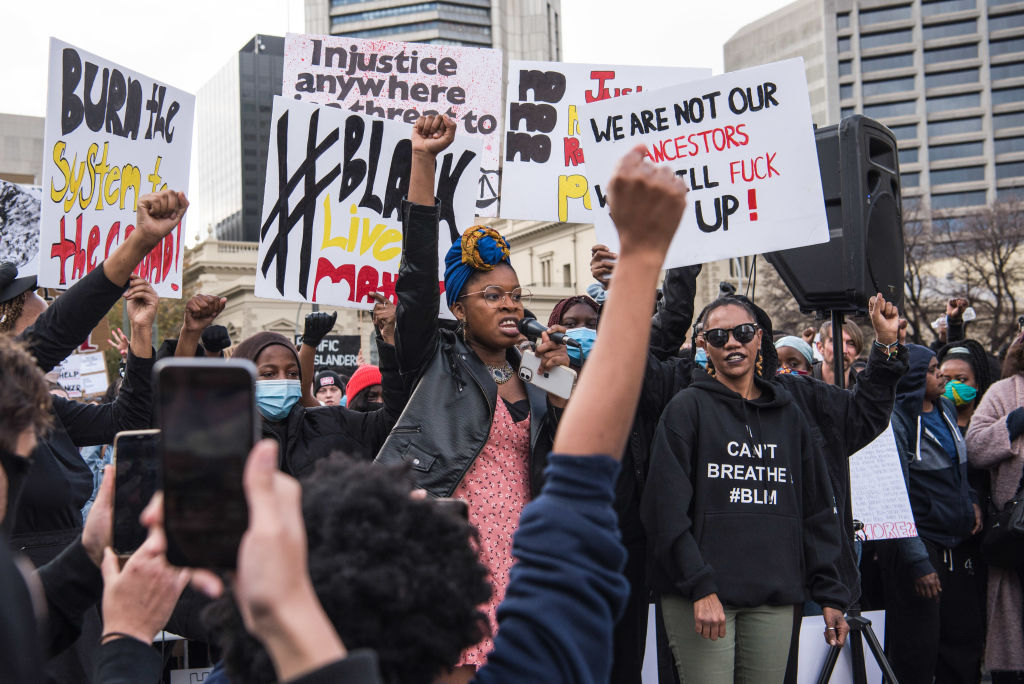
{"x": 495, "y": 488}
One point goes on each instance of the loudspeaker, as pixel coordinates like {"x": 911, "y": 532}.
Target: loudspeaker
{"x": 860, "y": 179}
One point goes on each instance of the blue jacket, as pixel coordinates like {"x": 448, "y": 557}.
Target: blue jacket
{"x": 940, "y": 495}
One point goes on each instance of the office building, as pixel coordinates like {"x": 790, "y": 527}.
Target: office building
{"x": 522, "y": 29}
{"x": 947, "y": 76}
{"x": 21, "y": 149}
{"x": 232, "y": 131}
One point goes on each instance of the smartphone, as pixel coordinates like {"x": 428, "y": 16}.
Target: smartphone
{"x": 206, "y": 410}
{"x": 136, "y": 478}
{"x": 558, "y": 381}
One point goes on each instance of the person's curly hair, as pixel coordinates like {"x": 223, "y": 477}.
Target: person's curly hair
{"x": 24, "y": 397}
{"x": 398, "y": 575}
{"x": 10, "y": 311}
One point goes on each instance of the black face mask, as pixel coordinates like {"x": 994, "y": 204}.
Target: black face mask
{"x": 371, "y": 406}
{"x": 16, "y": 469}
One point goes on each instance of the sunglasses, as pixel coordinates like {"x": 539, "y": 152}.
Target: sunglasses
{"x": 743, "y": 333}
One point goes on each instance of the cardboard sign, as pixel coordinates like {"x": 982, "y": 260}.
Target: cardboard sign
{"x": 332, "y": 230}
{"x": 545, "y": 177}
{"x": 744, "y": 144}
{"x": 83, "y": 374}
{"x": 401, "y": 81}
{"x": 111, "y": 136}
{"x": 879, "y": 491}
{"x": 339, "y": 353}
{"x": 19, "y": 226}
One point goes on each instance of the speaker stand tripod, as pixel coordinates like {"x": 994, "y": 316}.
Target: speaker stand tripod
{"x": 860, "y": 626}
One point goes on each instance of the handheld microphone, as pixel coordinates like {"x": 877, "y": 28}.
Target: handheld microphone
{"x": 534, "y": 329}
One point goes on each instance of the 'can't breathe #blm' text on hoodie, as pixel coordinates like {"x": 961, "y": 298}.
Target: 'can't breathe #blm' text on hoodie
{"x": 738, "y": 501}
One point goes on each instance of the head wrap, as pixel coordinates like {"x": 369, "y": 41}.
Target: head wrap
{"x": 561, "y": 307}
{"x": 480, "y": 248}
{"x": 798, "y": 344}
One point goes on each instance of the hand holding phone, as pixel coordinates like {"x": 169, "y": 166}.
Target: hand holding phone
{"x": 558, "y": 381}
{"x": 136, "y": 478}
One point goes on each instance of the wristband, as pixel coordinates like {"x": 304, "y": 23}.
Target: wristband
{"x": 110, "y": 636}
{"x": 890, "y": 350}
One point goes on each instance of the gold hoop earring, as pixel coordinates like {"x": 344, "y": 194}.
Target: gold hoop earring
{"x": 710, "y": 369}
{"x": 759, "y": 365}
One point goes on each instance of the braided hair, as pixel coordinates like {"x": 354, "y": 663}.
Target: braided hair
{"x": 10, "y": 311}
{"x": 769, "y": 357}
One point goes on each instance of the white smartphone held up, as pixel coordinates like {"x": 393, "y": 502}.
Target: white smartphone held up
{"x": 558, "y": 381}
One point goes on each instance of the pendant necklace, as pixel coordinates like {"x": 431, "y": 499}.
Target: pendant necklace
{"x": 501, "y": 374}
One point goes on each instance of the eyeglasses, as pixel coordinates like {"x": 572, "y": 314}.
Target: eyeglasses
{"x": 718, "y": 337}
{"x": 494, "y": 296}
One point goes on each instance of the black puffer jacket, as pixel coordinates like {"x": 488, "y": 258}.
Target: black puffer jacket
{"x": 448, "y": 418}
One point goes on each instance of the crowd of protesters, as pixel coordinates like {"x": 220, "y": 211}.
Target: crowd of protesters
{"x": 700, "y": 464}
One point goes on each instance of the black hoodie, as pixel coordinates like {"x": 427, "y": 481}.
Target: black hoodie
{"x": 738, "y": 501}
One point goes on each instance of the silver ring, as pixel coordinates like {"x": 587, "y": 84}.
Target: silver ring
{"x": 830, "y": 629}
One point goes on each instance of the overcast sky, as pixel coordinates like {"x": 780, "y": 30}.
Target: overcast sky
{"x": 185, "y": 42}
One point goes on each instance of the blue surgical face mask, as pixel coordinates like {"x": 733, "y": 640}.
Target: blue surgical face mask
{"x": 700, "y": 357}
{"x": 586, "y": 337}
{"x": 960, "y": 393}
{"x": 275, "y": 398}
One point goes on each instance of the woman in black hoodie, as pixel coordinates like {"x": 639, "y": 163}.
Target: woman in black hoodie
{"x": 739, "y": 514}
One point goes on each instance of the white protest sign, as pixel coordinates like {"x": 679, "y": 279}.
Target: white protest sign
{"x": 111, "y": 136}
{"x": 82, "y": 374}
{"x": 332, "y": 230}
{"x": 544, "y": 176}
{"x": 401, "y": 81}
{"x": 879, "y": 492}
{"x": 744, "y": 144}
{"x": 814, "y": 651}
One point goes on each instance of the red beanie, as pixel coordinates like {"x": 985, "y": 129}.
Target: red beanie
{"x": 365, "y": 376}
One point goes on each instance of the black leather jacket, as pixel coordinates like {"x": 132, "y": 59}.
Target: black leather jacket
{"x": 448, "y": 418}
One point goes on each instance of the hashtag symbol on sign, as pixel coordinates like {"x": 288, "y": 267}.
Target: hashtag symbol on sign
{"x": 734, "y": 495}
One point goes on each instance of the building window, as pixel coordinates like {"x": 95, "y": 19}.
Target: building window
{"x": 843, "y": 21}
{"x": 946, "y": 104}
{"x": 954, "y": 126}
{"x": 1009, "y": 170}
{"x": 955, "y": 151}
{"x": 904, "y": 132}
{"x": 929, "y": 9}
{"x": 566, "y": 275}
{"x": 1002, "y": 195}
{"x": 888, "y": 109}
{"x": 965, "y": 174}
{"x": 874, "y": 40}
{"x": 950, "y": 54}
{"x": 955, "y": 200}
{"x": 881, "y": 15}
{"x": 1005, "y": 47}
{"x": 908, "y": 155}
{"x": 1008, "y": 96}
{"x": 888, "y": 86}
{"x": 959, "y": 28}
{"x": 847, "y": 111}
{"x": 1011, "y": 120}
{"x": 545, "y": 272}
{"x": 910, "y": 180}
{"x": 1001, "y": 71}
{"x": 846, "y": 92}
{"x": 1007, "y": 145}
{"x": 843, "y": 45}
{"x": 951, "y": 78}
{"x": 900, "y": 61}
{"x": 845, "y": 67}
{"x": 1006, "y": 21}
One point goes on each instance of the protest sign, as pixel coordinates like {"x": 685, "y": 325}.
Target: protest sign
{"x": 879, "y": 492}
{"x": 401, "y": 81}
{"x": 744, "y": 144}
{"x": 19, "y": 226}
{"x": 544, "y": 176}
{"x": 111, "y": 136}
{"x": 83, "y": 374}
{"x": 340, "y": 178}
{"x": 339, "y": 353}
{"x": 814, "y": 651}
